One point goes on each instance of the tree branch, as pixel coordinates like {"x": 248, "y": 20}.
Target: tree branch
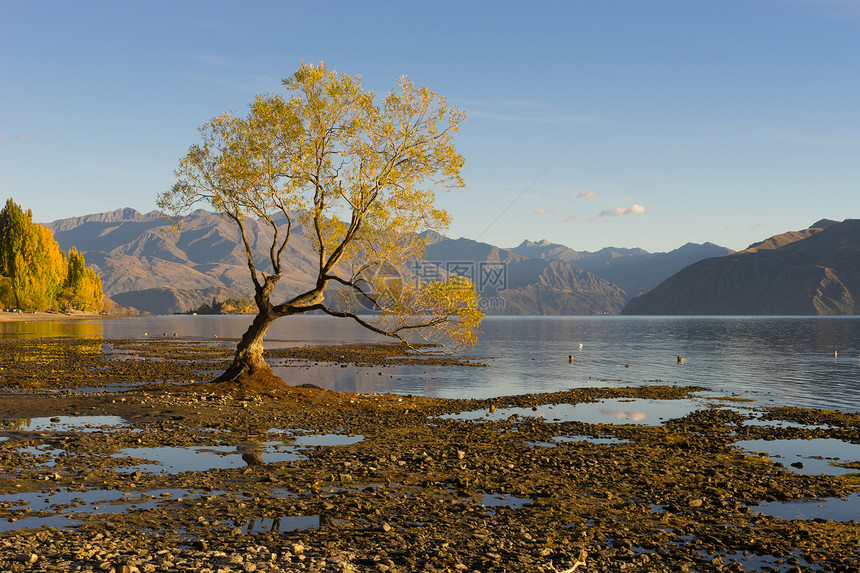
{"x": 238, "y": 219}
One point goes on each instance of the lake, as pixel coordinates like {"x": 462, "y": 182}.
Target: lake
{"x": 800, "y": 361}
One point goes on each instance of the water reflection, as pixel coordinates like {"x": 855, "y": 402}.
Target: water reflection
{"x": 173, "y": 460}
{"x": 610, "y": 411}
{"x": 281, "y": 524}
{"x": 65, "y": 423}
{"x": 772, "y": 360}
{"x": 65, "y": 505}
{"x": 490, "y": 501}
{"x": 51, "y": 328}
{"x": 815, "y": 456}
{"x": 837, "y": 509}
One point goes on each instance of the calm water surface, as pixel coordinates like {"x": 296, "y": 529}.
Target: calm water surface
{"x": 806, "y": 362}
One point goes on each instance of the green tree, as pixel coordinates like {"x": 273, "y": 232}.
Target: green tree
{"x": 13, "y": 230}
{"x": 359, "y": 178}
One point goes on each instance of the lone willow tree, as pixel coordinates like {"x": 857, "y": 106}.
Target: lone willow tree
{"x": 358, "y": 179}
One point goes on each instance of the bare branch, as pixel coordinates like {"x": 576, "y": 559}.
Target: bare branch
{"x": 247, "y": 248}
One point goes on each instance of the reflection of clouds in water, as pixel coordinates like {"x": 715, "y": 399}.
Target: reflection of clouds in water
{"x": 621, "y": 414}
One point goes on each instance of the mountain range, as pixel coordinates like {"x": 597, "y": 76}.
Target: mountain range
{"x": 815, "y": 271}
{"x": 146, "y": 264}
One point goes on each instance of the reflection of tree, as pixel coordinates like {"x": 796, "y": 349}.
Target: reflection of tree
{"x": 47, "y": 352}
{"x": 46, "y": 362}
{"x": 75, "y": 362}
{"x": 52, "y": 328}
{"x": 15, "y": 424}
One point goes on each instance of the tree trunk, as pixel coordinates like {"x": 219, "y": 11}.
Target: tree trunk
{"x": 248, "y": 361}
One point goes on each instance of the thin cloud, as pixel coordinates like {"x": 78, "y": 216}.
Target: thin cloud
{"x": 570, "y": 218}
{"x": 519, "y": 110}
{"x": 501, "y": 116}
{"x": 588, "y": 195}
{"x": 557, "y": 211}
{"x": 212, "y": 60}
{"x": 252, "y": 84}
{"x": 25, "y": 137}
{"x": 506, "y": 103}
{"x": 540, "y": 211}
{"x": 622, "y": 211}
{"x": 758, "y": 226}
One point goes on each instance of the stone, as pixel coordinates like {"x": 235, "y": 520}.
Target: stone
{"x": 26, "y": 558}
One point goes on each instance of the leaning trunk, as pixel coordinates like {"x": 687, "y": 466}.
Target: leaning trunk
{"x": 248, "y": 361}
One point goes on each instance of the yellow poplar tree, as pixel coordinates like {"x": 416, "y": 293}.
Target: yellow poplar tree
{"x": 83, "y": 287}
{"x": 31, "y": 259}
{"x": 359, "y": 177}
{"x": 35, "y": 273}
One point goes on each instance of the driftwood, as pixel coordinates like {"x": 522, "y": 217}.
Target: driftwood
{"x": 580, "y": 561}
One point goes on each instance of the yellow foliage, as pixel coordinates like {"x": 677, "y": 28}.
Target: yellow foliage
{"x": 37, "y": 274}
{"x": 358, "y": 176}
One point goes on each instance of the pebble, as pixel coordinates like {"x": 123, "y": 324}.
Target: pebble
{"x": 408, "y": 498}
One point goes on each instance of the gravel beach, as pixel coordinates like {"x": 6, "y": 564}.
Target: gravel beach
{"x": 115, "y": 457}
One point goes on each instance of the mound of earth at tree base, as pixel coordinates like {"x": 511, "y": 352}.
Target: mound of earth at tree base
{"x": 400, "y": 485}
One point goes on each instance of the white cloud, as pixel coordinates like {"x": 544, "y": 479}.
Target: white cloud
{"x": 540, "y": 211}
{"x": 758, "y": 226}
{"x": 621, "y": 211}
{"x": 588, "y": 195}
{"x": 557, "y": 211}
{"x": 570, "y": 218}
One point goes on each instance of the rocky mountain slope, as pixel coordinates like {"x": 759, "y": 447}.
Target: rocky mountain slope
{"x": 136, "y": 253}
{"x": 146, "y": 264}
{"x": 815, "y": 271}
{"x": 513, "y": 284}
{"x": 635, "y": 271}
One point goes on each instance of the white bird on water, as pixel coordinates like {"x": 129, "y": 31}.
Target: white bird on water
{"x": 580, "y": 346}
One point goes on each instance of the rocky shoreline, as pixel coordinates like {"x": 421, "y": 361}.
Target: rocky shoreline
{"x": 405, "y": 485}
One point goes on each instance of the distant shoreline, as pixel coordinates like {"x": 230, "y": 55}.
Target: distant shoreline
{"x": 6, "y": 316}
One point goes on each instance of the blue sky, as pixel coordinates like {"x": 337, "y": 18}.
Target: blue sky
{"x": 631, "y": 124}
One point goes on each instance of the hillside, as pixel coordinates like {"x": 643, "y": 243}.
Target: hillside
{"x": 635, "y": 271}
{"x": 135, "y": 253}
{"x": 513, "y": 284}
{"x": 171, "y": 300}
{"x": 146, "y": 264}
{"x": 811, "y": 272}
{"x": 784, "y": 239}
